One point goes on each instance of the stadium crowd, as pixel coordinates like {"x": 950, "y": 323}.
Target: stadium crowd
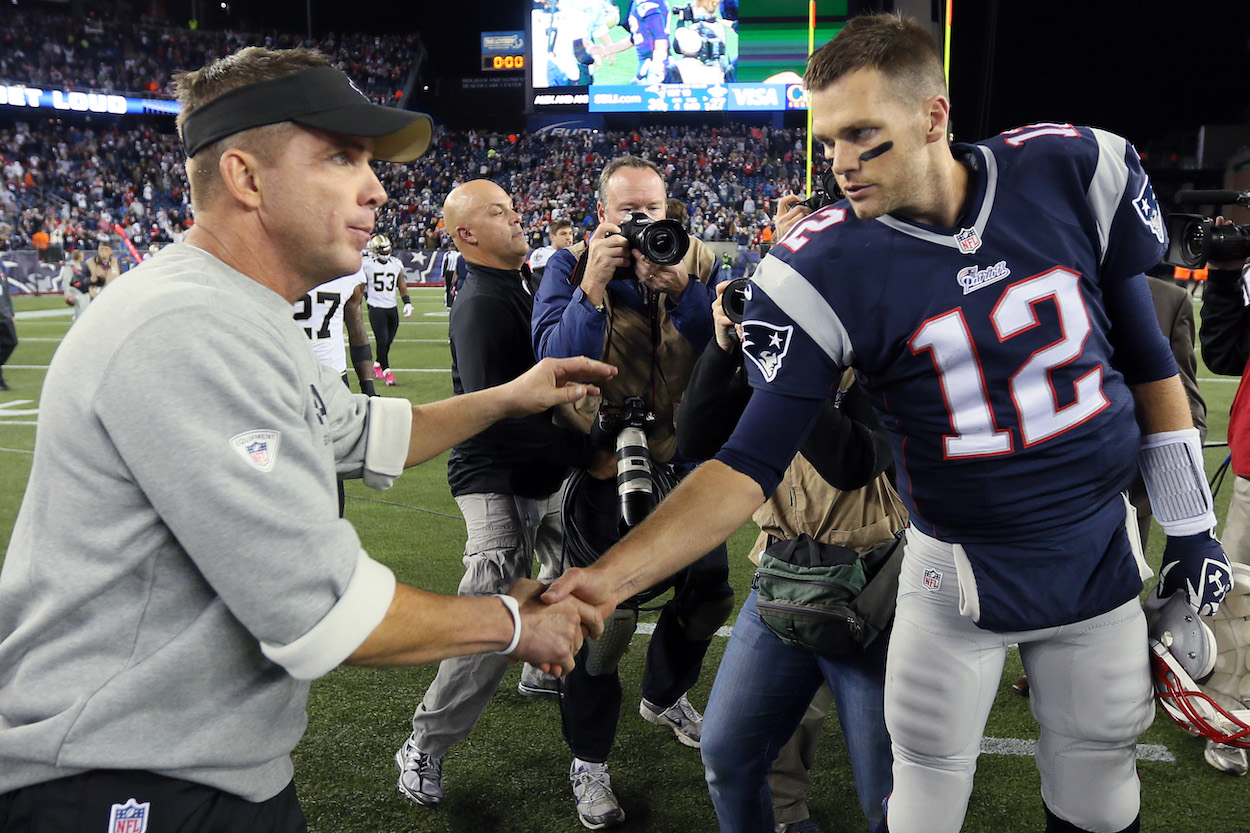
{"x": 100, "y": 53}
{"x": 75, "y": 183}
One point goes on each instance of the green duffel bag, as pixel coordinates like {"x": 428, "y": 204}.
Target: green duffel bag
{"x": 826, "y": 598}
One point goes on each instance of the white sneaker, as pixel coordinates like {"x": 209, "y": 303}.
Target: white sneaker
{"x": 681, "y": 717}
{"x": 597, "y": 806}
{"x": 537, "y": 683}
{"x": 420, "y": 774}
{"x": 1230, "y": 759}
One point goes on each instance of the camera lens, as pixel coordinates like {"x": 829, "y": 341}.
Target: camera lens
{"x": 734, "y": 300}
{"x": 664, "y": 242}
{"x": 1193, "y": 242}
{"x": 634, "y": 482}
{"x": 661, "y": 245}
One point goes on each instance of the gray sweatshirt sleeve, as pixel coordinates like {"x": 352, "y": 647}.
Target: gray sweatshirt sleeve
{"x": 236, "y": 450}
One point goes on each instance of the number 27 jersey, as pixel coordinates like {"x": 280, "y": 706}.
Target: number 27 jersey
{"x": 985, "y": 347}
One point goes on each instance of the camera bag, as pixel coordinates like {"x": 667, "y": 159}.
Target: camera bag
{"x": 827, "y": 598}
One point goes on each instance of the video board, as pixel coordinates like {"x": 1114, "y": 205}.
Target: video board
{"x": 671, "y": 55}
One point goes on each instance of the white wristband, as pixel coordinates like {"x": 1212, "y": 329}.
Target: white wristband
{"x": 514, "y": 610}
{"x": 1172, "y": 468}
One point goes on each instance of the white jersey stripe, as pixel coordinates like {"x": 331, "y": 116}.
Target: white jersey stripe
{"x": 1106, "y": 189}
{"x": 806, "y": 307}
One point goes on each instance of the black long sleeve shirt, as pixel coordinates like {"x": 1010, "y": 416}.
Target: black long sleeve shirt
{"x": 490, "y": 345}
{"x": 1225, "y": 330}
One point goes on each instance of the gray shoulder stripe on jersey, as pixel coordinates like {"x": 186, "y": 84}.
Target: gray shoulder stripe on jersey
{"x": 1106, "y": 189}
{"x": 798, "y": 299}
{"x": 983, "y": 217}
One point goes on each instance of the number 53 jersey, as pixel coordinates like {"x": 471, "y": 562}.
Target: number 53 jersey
{"x": 987, "y": 348}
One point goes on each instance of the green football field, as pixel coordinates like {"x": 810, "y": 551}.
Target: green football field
{"x": 511, "y": 774}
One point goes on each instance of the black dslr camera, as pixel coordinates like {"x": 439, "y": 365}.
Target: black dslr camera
{"x": 624, "y": 427}
{"x": 663, "y": 242}
{"x": 1194, "y": 239}
{"x": 827, "y": 193}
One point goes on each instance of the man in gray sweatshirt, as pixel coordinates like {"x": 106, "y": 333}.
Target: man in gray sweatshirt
{"x": 155, "y": 662}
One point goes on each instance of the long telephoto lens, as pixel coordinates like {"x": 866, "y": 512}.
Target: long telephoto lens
{"x": 634, "y": 482}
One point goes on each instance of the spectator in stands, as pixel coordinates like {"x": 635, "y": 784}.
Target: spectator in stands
{"x": 699, "y": 259}
{"x": 651, "y": 325}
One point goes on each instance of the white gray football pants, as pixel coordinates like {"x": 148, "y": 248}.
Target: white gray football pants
{"x": 504, "y": 531}
{"x": 1089, "y": 690}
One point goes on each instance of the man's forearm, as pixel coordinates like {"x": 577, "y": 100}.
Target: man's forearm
{"x": 704, "y": 510}
{"x": 423, "y": 627}
{"x": 437, "y": 426}
{"x": 1162, "y": 406}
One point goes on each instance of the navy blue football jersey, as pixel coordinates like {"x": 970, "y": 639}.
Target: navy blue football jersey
{"x": 983, "y": 347}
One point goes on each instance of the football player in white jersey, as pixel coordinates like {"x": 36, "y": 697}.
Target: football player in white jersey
{"x": 384, "y": 275}
{"x": 324, "y": 311}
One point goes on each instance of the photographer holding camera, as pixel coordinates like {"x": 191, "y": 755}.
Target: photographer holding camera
{"x": 836, "y": 491}
{"x": 623, "y": 296}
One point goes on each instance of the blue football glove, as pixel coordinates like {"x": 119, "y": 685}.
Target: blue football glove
{"x": 1196, "y": 566}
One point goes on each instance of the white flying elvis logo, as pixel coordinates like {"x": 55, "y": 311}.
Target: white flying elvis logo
{"x": 766, "y": 346}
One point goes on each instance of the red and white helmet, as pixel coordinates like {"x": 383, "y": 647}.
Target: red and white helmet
{"x": 1202, "y": 673}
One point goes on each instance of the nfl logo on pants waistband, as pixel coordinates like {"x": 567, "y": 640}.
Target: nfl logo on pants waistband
{"x": 130, "y": 817}
{"x": 932, "y": 579}
{"x": 969, "y": 241}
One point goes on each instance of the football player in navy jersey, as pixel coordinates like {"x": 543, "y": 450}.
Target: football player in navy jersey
{"x": 991, "y": 299}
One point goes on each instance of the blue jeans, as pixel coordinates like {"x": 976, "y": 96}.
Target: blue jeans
{"x": 762, "y": 688}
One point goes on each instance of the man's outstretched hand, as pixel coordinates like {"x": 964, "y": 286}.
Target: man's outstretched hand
{"x": 554, "y": 382}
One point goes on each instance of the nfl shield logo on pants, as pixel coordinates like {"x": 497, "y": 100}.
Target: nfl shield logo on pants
{"x": 969, "y": 241}
{"x": 130, "y": 817}
{"x": 932, "y": 579}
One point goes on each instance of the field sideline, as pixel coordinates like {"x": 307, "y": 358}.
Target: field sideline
{"x": 511, "y": 774}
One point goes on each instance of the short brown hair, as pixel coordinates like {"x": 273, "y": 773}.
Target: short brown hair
{"x": 898, "y": 47}
{"x": 557, "y": 225}
{"x": 675, "y": 209}
{"x": 626, "y": 162}
{"x": 248, "y": 66}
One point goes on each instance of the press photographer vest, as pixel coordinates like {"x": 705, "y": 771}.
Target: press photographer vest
{"x": 805, "y": 502}
{"x": 653, "y": 360}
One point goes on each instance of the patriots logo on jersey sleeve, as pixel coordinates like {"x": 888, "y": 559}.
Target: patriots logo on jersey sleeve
{"x": 766, "y": 346}
{"x": 1148, "y": 209}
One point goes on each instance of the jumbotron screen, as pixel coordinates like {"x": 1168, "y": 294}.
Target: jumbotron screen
{"x": 606, "y": 56}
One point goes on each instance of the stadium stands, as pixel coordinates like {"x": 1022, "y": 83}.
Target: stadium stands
{"x": 77, "y": 182}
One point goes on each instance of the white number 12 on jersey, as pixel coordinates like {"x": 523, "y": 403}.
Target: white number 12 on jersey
{"x": 949, "y": 343}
